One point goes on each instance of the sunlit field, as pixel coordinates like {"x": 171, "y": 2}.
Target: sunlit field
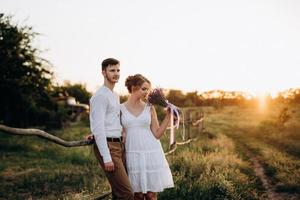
{"x": 219, "y": 164}
{"x": 260, "y": 135}
{"x": 230, "y": 67}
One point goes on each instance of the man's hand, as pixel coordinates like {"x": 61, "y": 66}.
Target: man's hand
{"x": 89, "y": 137}
{"x": 109, "y": 166}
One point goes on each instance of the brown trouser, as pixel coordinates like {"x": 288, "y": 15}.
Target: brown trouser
{"x": 118, "y": 179}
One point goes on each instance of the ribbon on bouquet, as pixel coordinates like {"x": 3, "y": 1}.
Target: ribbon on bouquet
{"x": 173, "y": 110}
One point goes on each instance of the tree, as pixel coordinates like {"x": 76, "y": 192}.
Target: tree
{"x": 176, "y": 97}
{"x": 76, "y": 90}
{"x": 24, "y": 77}
{"x": 192, "y": 99}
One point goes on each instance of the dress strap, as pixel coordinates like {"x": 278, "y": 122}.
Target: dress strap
{"x": 147, "y": 106}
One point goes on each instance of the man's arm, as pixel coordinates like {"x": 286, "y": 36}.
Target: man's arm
{"x": 98, "y": 105}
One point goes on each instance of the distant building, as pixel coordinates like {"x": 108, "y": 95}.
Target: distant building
{"x": 76, "y": 108}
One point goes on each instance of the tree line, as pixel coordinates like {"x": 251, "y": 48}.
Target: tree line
{"x": 29, "y": 95}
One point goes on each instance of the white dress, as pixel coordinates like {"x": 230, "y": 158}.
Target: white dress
{"x": 148, "y": 169}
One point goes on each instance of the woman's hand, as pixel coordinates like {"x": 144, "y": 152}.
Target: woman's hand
{"x": 169, "y": 113}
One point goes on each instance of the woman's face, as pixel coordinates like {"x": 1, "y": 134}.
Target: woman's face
{"x": 143, "y": 91}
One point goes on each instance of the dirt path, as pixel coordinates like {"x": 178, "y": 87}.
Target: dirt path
{"x": 266, "y": 181}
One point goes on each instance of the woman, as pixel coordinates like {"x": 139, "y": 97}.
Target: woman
{"x": 148, "y": 169}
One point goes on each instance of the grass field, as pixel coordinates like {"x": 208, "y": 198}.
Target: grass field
{"x": 241, "y": 154}
{"x": 259, "y": 138}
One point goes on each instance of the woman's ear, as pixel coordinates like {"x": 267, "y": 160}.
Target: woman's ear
{"x": 134, "y": 88}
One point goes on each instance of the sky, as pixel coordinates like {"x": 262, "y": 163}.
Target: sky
{"x": 190, "y": 45}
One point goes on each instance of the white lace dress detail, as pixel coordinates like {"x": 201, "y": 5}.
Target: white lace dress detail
{"x": 148, "y": 169}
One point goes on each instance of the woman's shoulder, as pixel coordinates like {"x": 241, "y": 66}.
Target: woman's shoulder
{"x": 122, "y": 105}
{"x": 147, "y": 105}
{"x": 150, "y": 107}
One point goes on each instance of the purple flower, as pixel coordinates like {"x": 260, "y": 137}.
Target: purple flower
{"x": 157, "y": 97}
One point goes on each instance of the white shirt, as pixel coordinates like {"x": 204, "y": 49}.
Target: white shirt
{"x": 105, "y": 119}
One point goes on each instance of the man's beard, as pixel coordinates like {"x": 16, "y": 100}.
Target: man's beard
{"x": 112, "y": 79}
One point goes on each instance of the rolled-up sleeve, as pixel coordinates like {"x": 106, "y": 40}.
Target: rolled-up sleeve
{"x": 98, "y": 105}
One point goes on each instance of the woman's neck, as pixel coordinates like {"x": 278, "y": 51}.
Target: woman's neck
{"x": 134, "y": 101}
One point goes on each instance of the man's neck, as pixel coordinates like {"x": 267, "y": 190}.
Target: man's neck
{"x": 109, "y": 85}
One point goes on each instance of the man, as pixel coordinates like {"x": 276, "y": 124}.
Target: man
{"x": 106, "y": 128}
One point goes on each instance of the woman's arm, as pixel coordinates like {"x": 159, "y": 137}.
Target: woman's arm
{"x": 158, "y": 130}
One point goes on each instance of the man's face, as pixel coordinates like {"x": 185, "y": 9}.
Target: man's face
{"x": 112, "y": 73}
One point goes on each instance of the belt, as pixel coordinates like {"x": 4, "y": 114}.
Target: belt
{"x": 114, "y": 139}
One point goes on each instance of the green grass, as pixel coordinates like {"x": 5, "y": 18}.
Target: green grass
{"x": 210, "y": 169}
{"x": 34, "y": 167}
{"x": 215, "y": 166}
{"x": 278, "y": 147}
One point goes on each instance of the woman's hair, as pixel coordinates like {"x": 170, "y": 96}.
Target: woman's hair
{"x": 136, "y": 80}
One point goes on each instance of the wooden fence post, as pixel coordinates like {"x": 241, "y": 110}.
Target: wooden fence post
{"x": 199, "y": 121}
{"x": 188, "y": 122}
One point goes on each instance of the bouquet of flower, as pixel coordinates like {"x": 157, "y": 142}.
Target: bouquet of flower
{"x": 157, "y": 97}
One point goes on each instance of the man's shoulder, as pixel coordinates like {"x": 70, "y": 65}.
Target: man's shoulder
{"x": 100, "y": 93}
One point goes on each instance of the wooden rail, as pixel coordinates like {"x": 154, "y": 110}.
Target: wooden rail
{"x": 187, "y": 123}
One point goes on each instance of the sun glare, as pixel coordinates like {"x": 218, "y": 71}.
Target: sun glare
{"x": 261, "y": 102}
{"x": 263, "y": 94}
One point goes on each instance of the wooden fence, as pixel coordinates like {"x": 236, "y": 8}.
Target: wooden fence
{"x": 188, "y": 121}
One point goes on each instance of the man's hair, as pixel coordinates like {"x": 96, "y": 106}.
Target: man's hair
{"x": 109, "y": 61}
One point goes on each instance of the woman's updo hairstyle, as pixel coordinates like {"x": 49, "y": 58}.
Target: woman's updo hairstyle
{"x": 135, "y": 81}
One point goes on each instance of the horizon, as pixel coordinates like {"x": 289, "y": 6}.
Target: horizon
{"x": 248, "y": 96}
